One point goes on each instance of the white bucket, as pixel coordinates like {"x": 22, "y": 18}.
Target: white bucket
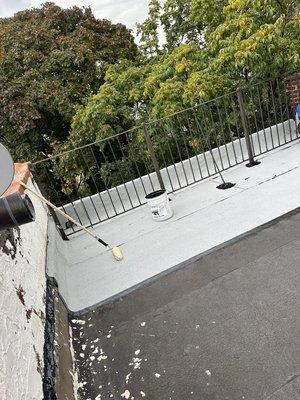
{"x": 159, "y": 204}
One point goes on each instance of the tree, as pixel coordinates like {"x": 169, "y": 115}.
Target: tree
{"x": 256, "y": 39}
{"x": 17, "y": 117}
{"x": 51, "y": 59}
{"x": 136, "y": 92}
{"x": 178, "y": 25}
{"x": 212, "y": 48}
{"x": 148, "y": 30}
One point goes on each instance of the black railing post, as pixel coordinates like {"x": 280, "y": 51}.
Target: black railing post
{"x": 246, "y": 129}
{"x": 152, "y": 155}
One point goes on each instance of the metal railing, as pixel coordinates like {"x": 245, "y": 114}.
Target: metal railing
{"x": 101, "y": 180}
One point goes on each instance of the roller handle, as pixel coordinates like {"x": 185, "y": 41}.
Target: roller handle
{"x": 60, "y": 211}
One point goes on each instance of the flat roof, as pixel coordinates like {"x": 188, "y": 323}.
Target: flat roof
{"x": 204, "y": 217}
{"x": 223, "y": 327}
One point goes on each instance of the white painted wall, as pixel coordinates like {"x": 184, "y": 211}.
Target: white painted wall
{"x": 22, "y": 269}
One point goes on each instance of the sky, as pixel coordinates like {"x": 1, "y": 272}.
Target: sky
{"x": 128, "y": 12}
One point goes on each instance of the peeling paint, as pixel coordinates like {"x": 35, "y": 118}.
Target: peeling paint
{"x": 39, "y": 363}
{"x": 21, "y": 293}
{"x": 8, "y": 242}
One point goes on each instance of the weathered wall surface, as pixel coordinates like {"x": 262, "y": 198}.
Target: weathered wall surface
{"x": 294, "y": 90}
{"x": 22, "y": 308}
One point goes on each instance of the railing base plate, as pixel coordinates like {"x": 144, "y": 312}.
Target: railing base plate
{"x": 252, "y": 164}
{"x": 225, "y": 185}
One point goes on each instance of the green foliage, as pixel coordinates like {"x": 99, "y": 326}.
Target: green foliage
{"x": 212, "y": 48}
{"x": 244, "y": 40}
{"x": 133, "y": 93}
{"x": 148, "y": 30}
{"x": 68, "y": 79}
{"x": 51, "y": 59}
{"x": 178, "y": 25}
{"x": 257, "y": 38}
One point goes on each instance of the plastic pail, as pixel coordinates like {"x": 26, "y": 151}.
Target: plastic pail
{"x": 159, "y": 204}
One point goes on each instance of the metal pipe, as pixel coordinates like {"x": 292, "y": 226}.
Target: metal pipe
{"x": 153, "y": 157}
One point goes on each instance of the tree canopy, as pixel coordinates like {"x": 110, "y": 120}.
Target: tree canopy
{"x": 68, "y": 79}
{"x": 212, "y": 47}
{"x": 51, "y": 60}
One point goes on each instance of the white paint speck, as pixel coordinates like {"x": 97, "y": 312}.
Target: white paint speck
{"x": 143, "y": 394}
{"x": 98, "y": 397}
{"x": 137, "y": 352}
{"x": 157, "y": 375}
{"x": 208, "y": 373}
{"x": 143, "y": 323}
{"x": 126, "y": 394}
{"x": 81, "y": 355}
{"x": 83, "y": 347}
{"x": 197, "y": 326}
{"x": 96, "y": 340}
{"x": 127, "y": 377}
{"x": 92, "y": 358}
{"x": 78, "y": 321}
{"x": 136, "y": 362}
{"x": 108, "y": 336}
{"x": 102, "y": 356}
